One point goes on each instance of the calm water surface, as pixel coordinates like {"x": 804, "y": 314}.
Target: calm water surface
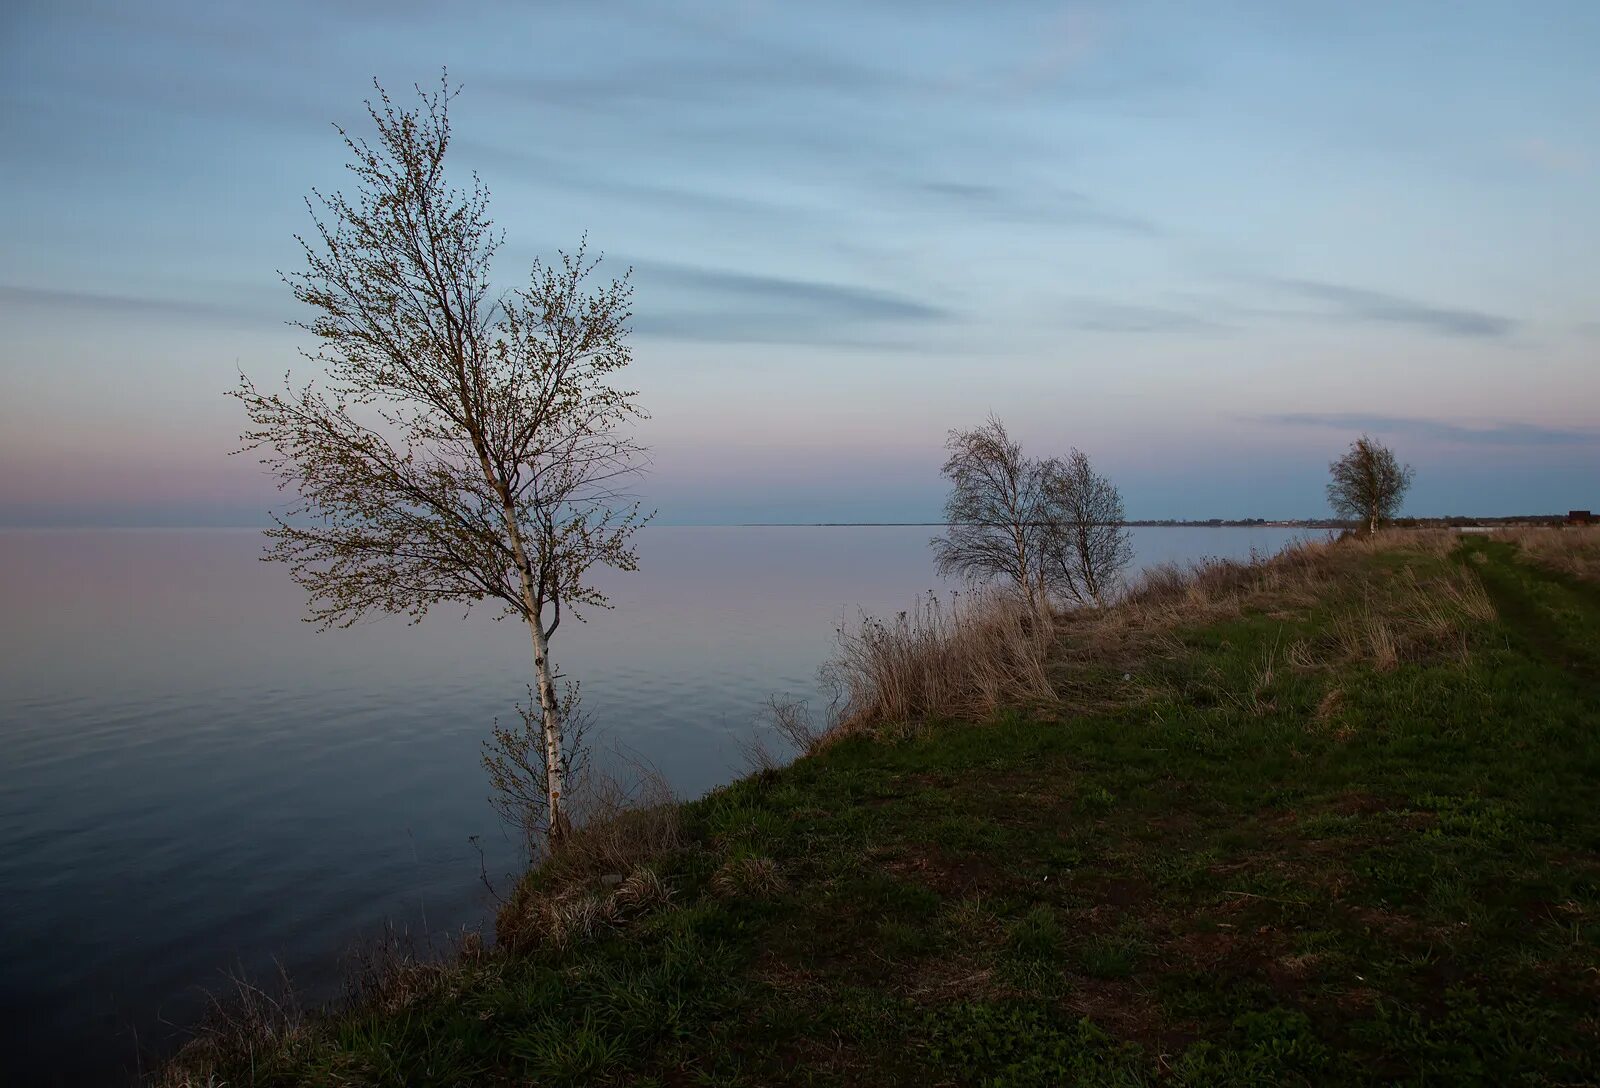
{"x": 195, "y": 781}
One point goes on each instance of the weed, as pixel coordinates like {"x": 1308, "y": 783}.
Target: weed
{"x": 750, "y": 877}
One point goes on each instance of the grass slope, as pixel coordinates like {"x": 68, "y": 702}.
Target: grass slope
{"x": 1317, "y": 839}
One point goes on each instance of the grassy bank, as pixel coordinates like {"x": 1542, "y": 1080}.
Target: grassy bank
{"x": 1332, "y": 819}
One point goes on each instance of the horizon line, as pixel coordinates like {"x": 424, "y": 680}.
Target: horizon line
{"x": 1219, "y": 522}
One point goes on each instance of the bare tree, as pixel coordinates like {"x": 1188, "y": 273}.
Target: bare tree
{"x": 517, "y": 763}
{"x": 993, "y": 512}
{"x": 1368, "y": 483}
{"x": 1086, "y": 545}
{"x": 465, "y": 446}
{"x": 1050, "y": 528}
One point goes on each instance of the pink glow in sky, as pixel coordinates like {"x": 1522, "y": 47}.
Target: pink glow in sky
{"x": 1207, "y": 247}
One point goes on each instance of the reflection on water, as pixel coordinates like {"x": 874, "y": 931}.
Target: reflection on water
{"x": 196, "y": 781}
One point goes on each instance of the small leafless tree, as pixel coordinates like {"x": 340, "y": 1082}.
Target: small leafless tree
{"x": 516, "y": 760}
{"x": 465, "y": 446}
{"x": 993, "y": 512}
{"x": 791, "y": 719}
{"x": 1086, "y": 545}
{"x": 1368, "y": 483}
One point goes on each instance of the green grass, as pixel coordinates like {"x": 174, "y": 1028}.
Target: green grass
{"x": 1237, "y": 879}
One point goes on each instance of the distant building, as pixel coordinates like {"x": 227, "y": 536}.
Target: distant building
{"x": 1580, "y": 517}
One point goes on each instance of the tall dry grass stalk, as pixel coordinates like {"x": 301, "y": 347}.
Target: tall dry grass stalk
{"x": 1573, "y": 550}
{"x": 1412, "y": 619}
{"x": 624, "y": 817}
{"x": 791, "y": 721}
{"x": 251, "y": 1022}
{"x": 1297, "y": 574}
{"x": 242, "y": 1026}
{"x": 966, "y": 658}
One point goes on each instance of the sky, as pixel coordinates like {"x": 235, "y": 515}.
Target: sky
{"x": 1209, "y": 244}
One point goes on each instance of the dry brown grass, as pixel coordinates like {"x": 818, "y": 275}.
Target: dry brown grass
{"x": 1412, "y": 619}
{"x": 989, "y": 652}
{"x": 621, "y": 822}
{"x": 1365, "y": 635}
{"x": 967, "y": 659}
{"x": 602, "y": 876}
{"x": 560, "y": 913}
{"x": 1402, "y": 617}
{"x": 1214, "y": 588}
{"x": 1435, "y": 542}
{"x": 1143, "y": 625}
{"x": 1572, "y": 550}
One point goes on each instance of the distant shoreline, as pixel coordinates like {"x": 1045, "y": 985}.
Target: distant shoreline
{"x": 1450, "y": 522}
{"x": 941, "y": 524}
{"x": 1453, "y": 522}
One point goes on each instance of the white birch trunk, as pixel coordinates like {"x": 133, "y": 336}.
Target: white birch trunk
{"x": 544, "y": 677}
{"x": 550, "y": 712}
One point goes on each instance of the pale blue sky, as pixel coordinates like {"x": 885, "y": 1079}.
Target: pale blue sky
{"x": 1207, "y": 243}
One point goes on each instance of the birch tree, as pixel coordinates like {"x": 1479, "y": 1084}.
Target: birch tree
{"x": 1368, "y": 483}
{"x": 464, "y": 445}
{"x": 1086, "y": 543}
{"x": 993, "y": 515}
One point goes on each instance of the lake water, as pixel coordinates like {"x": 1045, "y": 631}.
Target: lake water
{"x": 196, "y": 782}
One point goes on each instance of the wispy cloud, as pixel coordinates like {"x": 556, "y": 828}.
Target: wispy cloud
{"x": 721, "y": 305}
{"x": 1485, "y": 434}
{"x": 1061, "y": 208}
{"x": 1363, "y": 304}
{"x": 558, "y": 172}
{"x": 90, "y": 302}
{"x": 696, "y": 79}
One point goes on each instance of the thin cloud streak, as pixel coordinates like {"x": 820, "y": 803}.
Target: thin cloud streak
{"x": 1067, "y": 209}
{"x": 708, "y": 80}
{"x": 839, "y": 300}
{"x": 723, "y": 327}
{"x": 1490, "y": 434}
{"x": 1362, "y": 304}
{"x": 90, "y": 302}
{"x": 723, "y": 306}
